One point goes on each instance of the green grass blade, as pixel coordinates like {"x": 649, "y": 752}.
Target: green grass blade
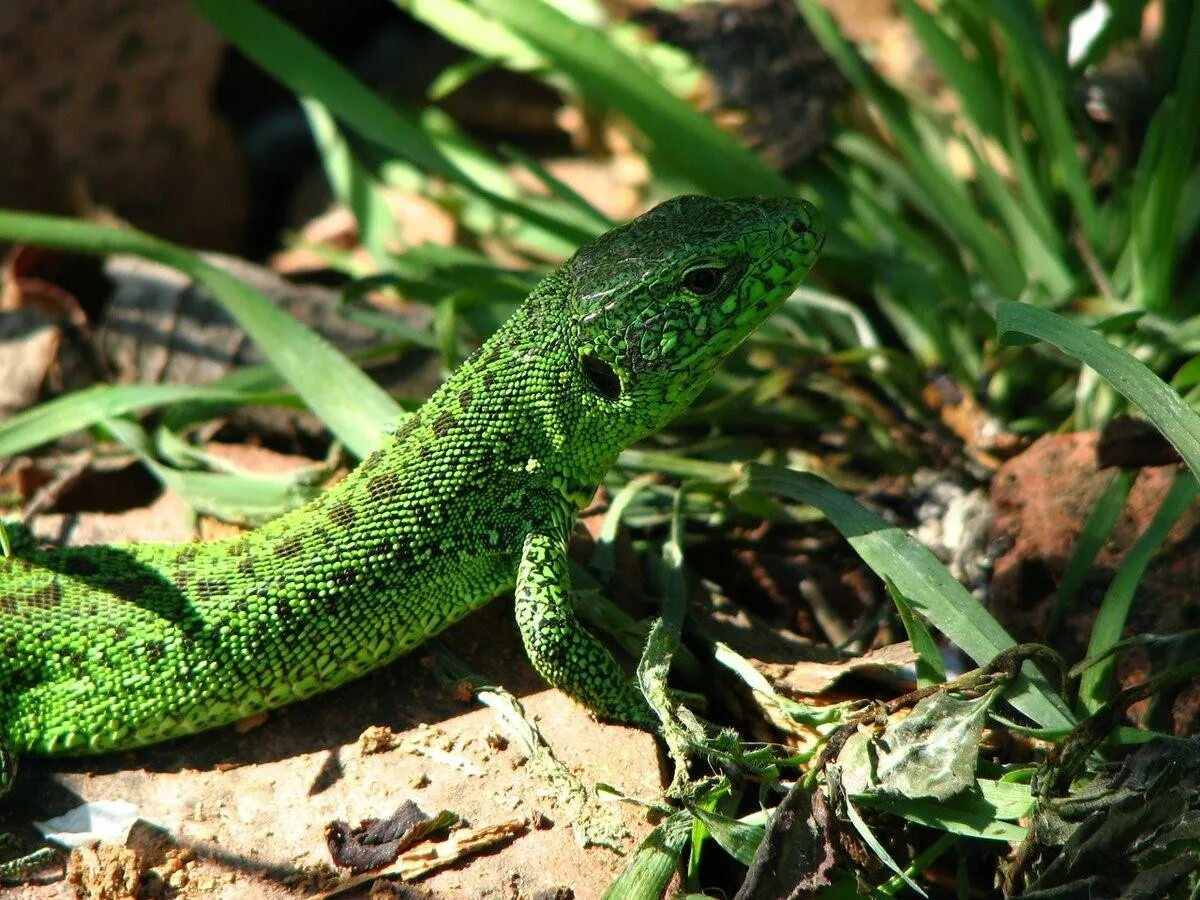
{"x": 1096, "y": 531}
{"x": 244, "y": 498}
{"x": 351, "y": 183}
{"x": 1046, "y": 87}
{"x": 466, "y": 26}
{"x": 881, "y": 853}
{"x": 82, "y": 409}
{"x": 1036, "y": 196}
{"x": 924, "y": 581}
{"x": 1095, "y": 687}
{"x": 927, "y": 165}
{"x": 1164, "y": 166}
{"x": 682, "y": 140}
{"x": 978, "y": 85}
{"x": 965, "y": 815}
{"x": 1178, "y": 423}
{"x": 1040, "y": 253}
{"x": 738, "y": 838}
{"x": 559, "y": 188}
{"x": 307, "y": 71}
{"x": 930, "y": 668}
{"x": 649, "y": 872}
{"x": 353, "y": 406}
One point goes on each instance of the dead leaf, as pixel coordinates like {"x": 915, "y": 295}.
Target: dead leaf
{"x": 814, "y": 677}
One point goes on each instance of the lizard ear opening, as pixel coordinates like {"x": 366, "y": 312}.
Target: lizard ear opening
{"x": 601, "y": 376}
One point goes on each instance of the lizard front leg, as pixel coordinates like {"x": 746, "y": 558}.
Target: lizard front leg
{"x": 561, "y": 651}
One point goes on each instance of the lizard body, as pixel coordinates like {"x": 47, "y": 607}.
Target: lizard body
{"x": 110, "y": 647}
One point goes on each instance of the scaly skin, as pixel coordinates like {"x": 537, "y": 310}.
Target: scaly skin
{"x": 109, "y": 647}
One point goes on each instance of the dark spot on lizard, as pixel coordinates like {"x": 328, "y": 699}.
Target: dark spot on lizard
{"x": 342, "y": 515}
{"x": 46, "y": 596}
{"x": 488, "y": 379}
{"x": 120, "y": 633}
{"x": 186, "y": 555}
{"x": 465, "y": 398}
{"x": 154, "y": 650}
{"x": 73, "y": 657}
{"x": 372, "y": 460}
{"x": 246, "y": 569}
{"x": 380, "y": 550}
{"x": 212, "y": 587}
{"x": 443, "y": 424}
{"x": 411, "y": 424}
{"x": 383, "y": 487}
{"x": 424, "y": 451}
{"x": 290, "y": 547}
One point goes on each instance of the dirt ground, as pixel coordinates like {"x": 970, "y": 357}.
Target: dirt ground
{"x": 253, "y": 806}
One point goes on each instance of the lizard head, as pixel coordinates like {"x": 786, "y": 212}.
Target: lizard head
{"x": 656, "y": 304}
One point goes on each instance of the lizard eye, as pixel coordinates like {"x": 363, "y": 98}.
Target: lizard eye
{"x": 601, "y": 376}
{"x": 703, "y": 279}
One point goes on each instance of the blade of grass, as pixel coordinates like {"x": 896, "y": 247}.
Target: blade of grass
{"x": 929, "y": 169}
{"x": 463, "y": 24}
{"x": 351, "y": 183}
{"x": 353, "y": 406}
{"x": 1178, "y": 423}
{"x": 558, "y": 187}
{"x": 307, "y": 71}
{"x": 1162, "y": 170}
{"x": 1045, "y": 84}
{"x": 604, "y": 557}
{"x": 1035, "y": 194}
{"x": 649, "y": 872}
{"x": 978, "y": 86}
{"x": 930, "y": 589}
{"x": 930, "y": 668}
{"x": 1040, "y": 253}
{"x": 682, "y": 140}
{"x": 738, "y": 838}
{"x": 247, "y": 499}
{"x": 1095, "y": 532}
{"x": 966, "y": 815}
{"x": 919, "y": 864}
{"x": 1095, "y": 687}
{"x": 881, "y": 853}
{"x": 82, "y": 409}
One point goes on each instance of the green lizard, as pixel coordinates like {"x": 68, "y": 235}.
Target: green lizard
{"x": 109, "y": 647}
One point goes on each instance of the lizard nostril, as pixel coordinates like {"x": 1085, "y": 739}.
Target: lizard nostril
{"x": 799, "y": 226}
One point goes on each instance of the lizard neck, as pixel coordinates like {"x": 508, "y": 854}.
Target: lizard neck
{"x": 521, "y": 408}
